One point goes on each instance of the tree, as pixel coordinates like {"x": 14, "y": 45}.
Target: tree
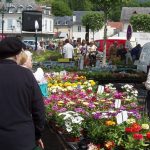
{"x": 60, "y": 8}
{"x": 94, "y": 21}
{"x": 45, "y": 2}
{"x": 106, "y": 6}
{"x": 140, "y": 22}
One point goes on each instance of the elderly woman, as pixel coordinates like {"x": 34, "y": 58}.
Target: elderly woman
{"x": 21, "y": 104}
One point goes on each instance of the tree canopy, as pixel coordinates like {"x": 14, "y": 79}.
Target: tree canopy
{"x": 140, "y": 22}
{"x": 60, "y": 8}
{"x": 93, "y": 20}
{"x": 96, "y": 5}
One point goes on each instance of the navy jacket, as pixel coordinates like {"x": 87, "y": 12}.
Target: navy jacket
{"x": 21, "y": 107}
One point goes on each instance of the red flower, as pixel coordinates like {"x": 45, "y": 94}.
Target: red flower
{"x": 136, "y": 127}
{"x": 137, "y": 136}
{"x": 128, "y": 130}
{"x": 148, "y": 135}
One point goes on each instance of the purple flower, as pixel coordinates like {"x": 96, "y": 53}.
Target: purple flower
{"x": 79, "y": 110}
{"x": 97, "y": 115}
{"x": 91, "y": 105}
{"x": 55, "y": 107}
{"x": 62, "y": 110}
{"x": 117, "y": 95}
{"x": 133, "y": 105}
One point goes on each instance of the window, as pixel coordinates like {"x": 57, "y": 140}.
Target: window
{"x": 50, "y": 26}
{"x": 0, "y": 23}
{"x": 12, "y": 9}
{"x": 29, "y": 7}
{"x": 66, "y": 22}
{"x": 20, "y": 9}
{"x": 9, "y": 24}
{"x": 45, "y": 24}
{"x": 79, "y": 28}
{"x": 57, "y": 22}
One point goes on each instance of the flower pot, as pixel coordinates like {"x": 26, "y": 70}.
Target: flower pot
{"x": 72, "y": 139}
{"x": 109, "y": 145}
{"x": 98, "y": 146}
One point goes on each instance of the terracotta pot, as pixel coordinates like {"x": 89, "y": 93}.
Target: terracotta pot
{"x": 98, "y": 146}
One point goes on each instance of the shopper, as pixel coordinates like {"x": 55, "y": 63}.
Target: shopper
{"x": 21, "y": 103}
{"x": 28, "y": 62}
{"x": 128, "y": 47}
{"x": 68, "y": 50}
{"x": 147, "y": 85}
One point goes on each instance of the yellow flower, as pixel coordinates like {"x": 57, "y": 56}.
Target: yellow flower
{"x": 60, "y": 103}
{"x": 70, "y": 103}
{"x": 102, "y": 100}
{"x": 60, "y": 84}
{"x": 96, "y": 103}
{"x": 110, "y": 123}
{"x": 145, "y": 126}
{"x": 78, "y": 83}
{"x": 130, "y": 121}
{"x": 85, "y": 103}
{"x": 92, "y": 82}
{"x": 49, "y": 85}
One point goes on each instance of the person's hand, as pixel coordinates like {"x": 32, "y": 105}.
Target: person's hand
{"x": 40, "y": 143}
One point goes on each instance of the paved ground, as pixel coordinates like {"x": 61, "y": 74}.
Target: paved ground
{"x": 52, "y": 141}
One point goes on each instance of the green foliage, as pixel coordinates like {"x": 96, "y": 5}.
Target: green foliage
{"x": 106, "y": 5}
{"x": 140, "y": 22}
{"x": 45, "y": 2}
{"x": 93, "y": 20}
{"x": 45, "y": 56}
{"x": 60, "y": 8}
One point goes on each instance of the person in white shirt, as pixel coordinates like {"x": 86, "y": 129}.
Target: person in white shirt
{"x": 92, "y": 49}
{"x": 128, "y": 47}
{"x": 68, "y": 50}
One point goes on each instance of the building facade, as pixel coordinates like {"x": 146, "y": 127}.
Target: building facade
{"x": 71, "y": 27}
{"x": 11, "y": 19}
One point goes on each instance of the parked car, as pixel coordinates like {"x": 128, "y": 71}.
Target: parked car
{"x": 31, "y": 44}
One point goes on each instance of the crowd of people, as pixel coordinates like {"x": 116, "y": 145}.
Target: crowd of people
{"x": 124, "y": 52}
{"x": 86, "y": 52}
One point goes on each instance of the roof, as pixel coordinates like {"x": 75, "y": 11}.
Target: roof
{"x": 24, "y": 2}
{"x": 80, "y": 14}
{"x": 127, "y": 12}
{"x": 117, "y": 25}
{"x": 62, "y": 21}
{"x": 19, "y": 3}
{"x": 78, "y": 18}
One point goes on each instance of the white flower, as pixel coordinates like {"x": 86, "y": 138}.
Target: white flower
{"x": 68, "y": 124}
{"x": 77, "y": 120}
{"x": 69, "y": 129}
{"x": 90, "y": 88}
{"x": 145, "y": 126}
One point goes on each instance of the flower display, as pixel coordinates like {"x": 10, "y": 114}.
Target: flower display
{"x": 110, "y": 118}
{"x": 136, "y": 136}
{"x": 72, "y": 122}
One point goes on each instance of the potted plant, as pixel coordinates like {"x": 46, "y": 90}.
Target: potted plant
{"x": 72, "y": 124}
